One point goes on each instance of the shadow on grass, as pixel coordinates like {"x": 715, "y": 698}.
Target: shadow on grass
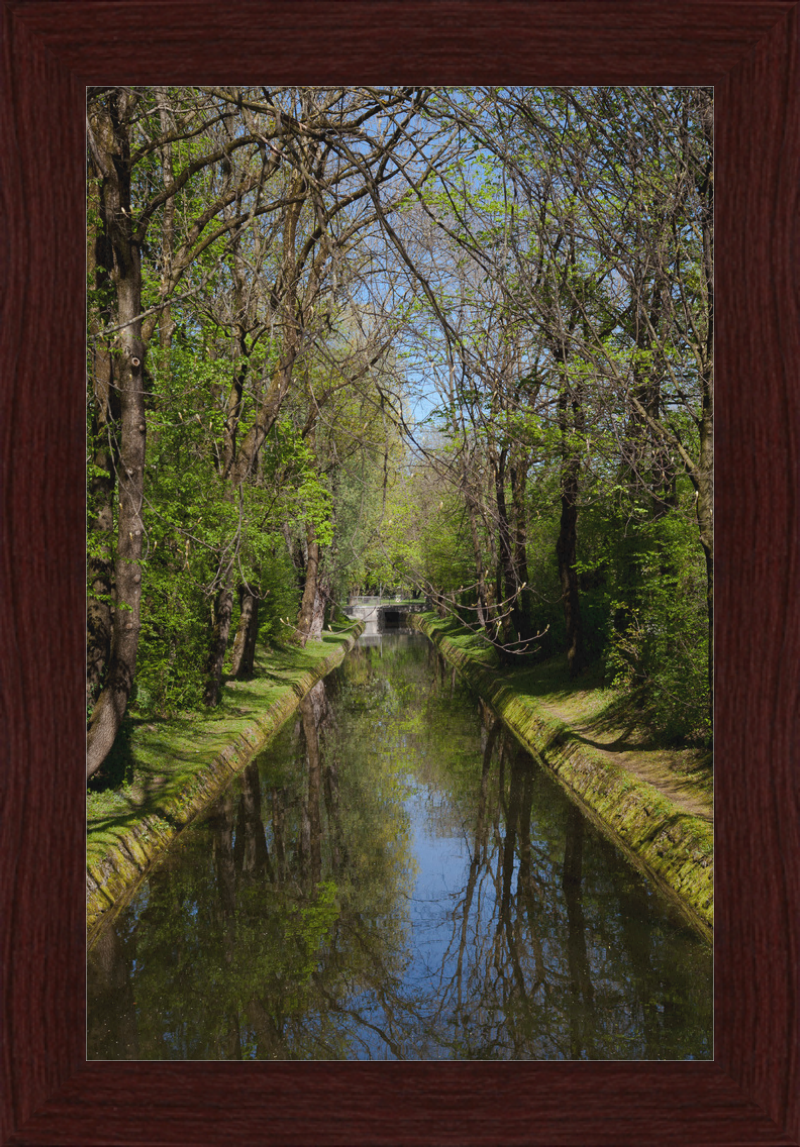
{"x": 117, "y": 769}
{"x": 243, "y": 698}
{"x": 551, "y": 679}
{"x": 621, "y": 744}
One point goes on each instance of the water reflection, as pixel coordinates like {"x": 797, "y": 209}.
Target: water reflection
{"x": 395, "y": 878}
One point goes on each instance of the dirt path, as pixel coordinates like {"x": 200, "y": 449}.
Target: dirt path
{"x": 673, "y": 773}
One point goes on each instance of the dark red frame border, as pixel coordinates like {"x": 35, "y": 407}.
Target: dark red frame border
{"x": 51, "y": 50}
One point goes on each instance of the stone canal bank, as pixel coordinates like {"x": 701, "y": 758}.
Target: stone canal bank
{"x": 170, "y": 770}
{"x": 654, "y": 803}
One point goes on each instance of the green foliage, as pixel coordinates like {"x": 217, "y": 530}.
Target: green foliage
{"x": 289, "y": 462}
{"x": 309, "y": 927}
{"x": 563, "y": 244}
{"x": 277, "y": 584}
{"x": 658, "y": 626}
{"x": 173, "y": 642}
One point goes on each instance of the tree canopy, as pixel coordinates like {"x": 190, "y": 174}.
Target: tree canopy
{"x": 455, "y": 342}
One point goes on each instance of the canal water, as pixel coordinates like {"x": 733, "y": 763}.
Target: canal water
{"x": 394, "y": 878}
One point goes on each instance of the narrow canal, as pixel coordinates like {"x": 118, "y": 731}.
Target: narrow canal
{"x": 394, "y": 878}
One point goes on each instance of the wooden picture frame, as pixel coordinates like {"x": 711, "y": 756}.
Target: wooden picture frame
{"x": 748, "y": 50}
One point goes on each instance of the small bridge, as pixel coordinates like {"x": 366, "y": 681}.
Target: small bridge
{"x": 383, "y": 615}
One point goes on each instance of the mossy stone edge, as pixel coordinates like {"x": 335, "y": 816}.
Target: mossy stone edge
{"x": 674, "y": 849}
{"x": 110, "y": 881}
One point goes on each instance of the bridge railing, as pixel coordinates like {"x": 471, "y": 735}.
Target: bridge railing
{"x": 388, "y": 602}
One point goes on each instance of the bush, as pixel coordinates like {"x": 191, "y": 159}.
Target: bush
{"x": 658, "y": 630}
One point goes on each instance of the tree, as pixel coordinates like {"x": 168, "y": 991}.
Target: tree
{"x": 197, "y": 169}
{"x": 612, "y": 199}
{"x": 274, "y": 272}
{"x": 119, "y": 119}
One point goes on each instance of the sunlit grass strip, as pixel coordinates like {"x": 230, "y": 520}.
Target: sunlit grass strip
{"x": 181, "y": 765}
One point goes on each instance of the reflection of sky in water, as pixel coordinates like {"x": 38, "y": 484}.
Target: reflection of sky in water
{"x": 444, "y": 853}
{"x": 445, "y": 953}
{"x": 441, "y": 878}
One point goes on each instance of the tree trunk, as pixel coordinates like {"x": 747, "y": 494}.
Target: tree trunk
{"x": 100, "y": 569}
{"x": 223, "y": 608}
{"x": 705, "y": 519}
{"x": 505, "y": 587}
{"x": 126, "y": 275}
{"x": 318, "y": 619}
{"x": 102, "y": 477}
{"x": 705, "y": 486}
{"x": 567, "y": 543}
{"x": 244, "y": 644}
{"x": 566, "y": 552}
{"x": 166, "y": 325}
{"x": 312, "y": 607}
{"x": 516, "y": 626}
{"x": 223, "y": 611}
{"x": 519, "y": 480}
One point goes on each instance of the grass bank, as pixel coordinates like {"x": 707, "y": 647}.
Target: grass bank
{"x": 654, "y": 802}
{"x": 164, "y": 772}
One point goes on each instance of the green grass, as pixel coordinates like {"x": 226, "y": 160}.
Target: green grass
{"x": 585, "y": 703}
{"x": 469, "y": 643}
{"x": 628, "y": 782}
{"x": 157, "y": 759}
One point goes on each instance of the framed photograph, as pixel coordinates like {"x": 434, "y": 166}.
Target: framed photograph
{"x": 52, "y": 52}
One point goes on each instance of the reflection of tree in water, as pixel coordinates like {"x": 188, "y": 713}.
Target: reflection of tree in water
{"x": 110, "y": 992}
{"x": 307, "y": 900}
{"x": 581, "y": 990}
{"x": 531, "y": 970}
{"x": 282, "y": 926}
{"x": 494, "y": 968}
